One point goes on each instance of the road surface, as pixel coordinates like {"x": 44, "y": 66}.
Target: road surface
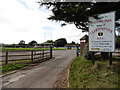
{"x": 43, "y": 75}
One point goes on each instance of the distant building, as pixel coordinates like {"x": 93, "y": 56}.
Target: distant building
{"x": 41, "y": 45}
{"x": 1, "y": 44}
{"x": 118, "y": 30}
{"x": 70, "y": 46}
{"x": 15, "y": 46}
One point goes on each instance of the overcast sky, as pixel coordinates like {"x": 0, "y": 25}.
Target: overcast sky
{"x": 24, "y": 20}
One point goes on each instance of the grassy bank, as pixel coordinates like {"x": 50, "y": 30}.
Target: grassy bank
{"x": 85, "y": 75}
{"x": 11, "y": 67}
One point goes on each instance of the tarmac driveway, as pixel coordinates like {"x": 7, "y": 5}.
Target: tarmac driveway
{"x": 43, "y": 75}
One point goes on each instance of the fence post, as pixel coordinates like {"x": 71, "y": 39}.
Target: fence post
{"x": 50, "y": 51}
{"x": 43, "y": 54}
{"x": 6, "y": 62}
{"x": 32, "y": 55}
{"x": 110, "y": 58}
{"x": 93, "y": 60}
{"x": 77, "y": 51}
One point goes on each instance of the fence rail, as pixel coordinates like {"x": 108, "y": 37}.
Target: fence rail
{"x": 20, "y": 55}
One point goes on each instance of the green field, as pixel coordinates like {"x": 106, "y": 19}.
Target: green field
{"x": 85, "y": 75}
{"x": 11, "y": 49}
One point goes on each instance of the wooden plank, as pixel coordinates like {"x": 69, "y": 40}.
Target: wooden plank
{"x": 17, "y": 55}
{"x": 22, "y": 55}
{"x": 19, "y": 59}
{"x": 46, "y": 52}
{"x": 38, "y": 54}
{"x": 38, "y": 58}
{"x": 20, "y": 50}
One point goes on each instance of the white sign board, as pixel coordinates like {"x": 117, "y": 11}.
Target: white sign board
{"x": 102, "y": 33}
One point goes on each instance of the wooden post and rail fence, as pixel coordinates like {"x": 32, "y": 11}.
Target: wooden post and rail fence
{"x": 24, "y": 55}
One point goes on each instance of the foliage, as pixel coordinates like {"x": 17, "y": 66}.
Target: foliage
{"x": 77, "y": 13}
{"x": 118, "y": 41}
{"x": 72, "y": 42}
{"x": 60, "y": 42}
{"x": 49, "y": 41}
{"x": 22, "y": 42}
{"x": 85, "y": 75}
{"x": 32, "y": 43}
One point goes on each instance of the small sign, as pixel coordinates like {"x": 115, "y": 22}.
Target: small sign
{"x": 102, "y": 33}
{"x": 83, "y": 41}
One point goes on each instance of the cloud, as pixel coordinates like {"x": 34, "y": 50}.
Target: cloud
{"x": 23, "y": 3}
{"x": 18, "y": 22}
{"x": 48, "y": 28}
{"x": 70, "y": 32}
{"x": 24, "y": 20}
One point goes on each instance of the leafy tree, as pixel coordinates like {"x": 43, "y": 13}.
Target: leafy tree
{"x": 72, "y": 42}
{"x": 22, "y": 42}
{"x": 77, "y": 13}
{"x": 49, "y": 41}
{"x": 118, "y": 41}
{"x": 32, "y": 43}
{"x": 60, "y": 42}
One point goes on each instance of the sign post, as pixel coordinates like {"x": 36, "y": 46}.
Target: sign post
{"x": 110, "y": 59}
{"x": 102, "y": 33}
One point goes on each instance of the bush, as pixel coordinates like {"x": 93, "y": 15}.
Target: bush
{"x": 60, "y": 42}
{"x": 88, "y": 56}
{"x": 117, "y": 41}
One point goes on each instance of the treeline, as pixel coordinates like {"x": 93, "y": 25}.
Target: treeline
{"x": 61, "y": 42}
{"x": 58, "y": 43}
{"x": 21, "y": 44}
{"x": 117, "y": 40}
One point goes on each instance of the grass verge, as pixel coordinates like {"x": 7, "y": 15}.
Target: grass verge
{"x": 85, "y": 75}
{"x": 11, "y": 67}
{"x": 15, "y": 62}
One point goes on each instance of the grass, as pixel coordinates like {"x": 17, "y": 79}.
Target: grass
{"x": 85, "y": 75}
{"x": 11, "y": 67}
{"x": 60, "y": 49}
{"x": 11, "y": 49}
{"x": 15, "y": 62}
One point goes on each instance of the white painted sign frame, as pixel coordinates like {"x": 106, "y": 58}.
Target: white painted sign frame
{"x": 102, "y": 33}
